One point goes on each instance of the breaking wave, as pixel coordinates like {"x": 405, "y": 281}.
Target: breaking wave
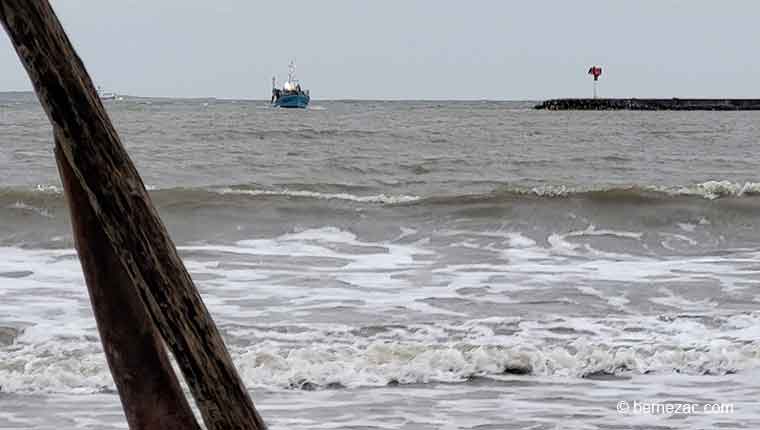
{"x": 379, "y": 198}
{"x": 348, "y": 358}
{"x": 710, "y": 190}
{"x": 43, "y": 199}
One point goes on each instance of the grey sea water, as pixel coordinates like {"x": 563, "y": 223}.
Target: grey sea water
{"x": 414, "y": 265}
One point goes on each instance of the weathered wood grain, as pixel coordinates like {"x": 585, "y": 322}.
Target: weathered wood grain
{"x": 131, "y": 226}
{"x": 150, "y": 393}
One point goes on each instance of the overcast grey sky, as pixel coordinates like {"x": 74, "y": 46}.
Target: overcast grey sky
{"x": 413, "y": 49}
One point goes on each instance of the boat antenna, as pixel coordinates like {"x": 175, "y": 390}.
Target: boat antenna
{"x": 274, "y": 82}
{"x": 291, "y": 70}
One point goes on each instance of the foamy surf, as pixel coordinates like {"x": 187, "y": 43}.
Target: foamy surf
{"x": 380, "y": 198}
{"x": 721, "y": 188}
{"x": 709, "y": 190}
{"x": 412, "y": 265}
{"x": 46, "y": 199}
{"x": 58, "y": 351}
{"x": 329, "y": 357}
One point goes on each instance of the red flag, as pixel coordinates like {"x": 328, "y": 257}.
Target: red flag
{"x": 595, "y": 71}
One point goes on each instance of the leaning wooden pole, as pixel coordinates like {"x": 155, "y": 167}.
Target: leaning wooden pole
{"x": 150, "y": 393}
{"x": 110, "y": 183}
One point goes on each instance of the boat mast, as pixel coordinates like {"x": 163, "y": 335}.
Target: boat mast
{"x": 291, "y": 71}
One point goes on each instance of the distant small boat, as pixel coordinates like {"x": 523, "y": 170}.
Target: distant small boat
{"x": 106, "y": 95}
{"x": 290, "y": 95}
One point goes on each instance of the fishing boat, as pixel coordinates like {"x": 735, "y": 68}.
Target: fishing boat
{"x": 106, "y": 95}
{"x": 291, "y": 95}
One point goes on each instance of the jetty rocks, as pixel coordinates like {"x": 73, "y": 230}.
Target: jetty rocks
{"x": 650, "y": 104}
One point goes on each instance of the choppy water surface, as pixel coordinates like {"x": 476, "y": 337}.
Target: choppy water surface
{"x": 413, "y": 265}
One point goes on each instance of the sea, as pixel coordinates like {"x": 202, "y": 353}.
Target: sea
{"x": 414, "y": 265}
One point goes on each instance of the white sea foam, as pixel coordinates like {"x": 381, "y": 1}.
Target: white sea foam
{"x": 687, "y": 227}
{"x": 39, "y": 211}
{"x": 327, "y": 356}
{"x": 591, "y": 230}
{"x": 325, "y": 307}
{"x": 712, "y": 189}
{"x": 551, "y": 191}
{"x": 379, "y": 198}
{"x": 672, "y": 241}
{"x": 717, "y": 189}
{"x": 48, "y": 189}
{"x": 57, "y": 189}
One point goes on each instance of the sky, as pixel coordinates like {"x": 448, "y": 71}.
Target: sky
{"x": 413, "y": 49}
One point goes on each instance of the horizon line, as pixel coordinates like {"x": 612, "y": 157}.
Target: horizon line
{"x": 398, "y": 99}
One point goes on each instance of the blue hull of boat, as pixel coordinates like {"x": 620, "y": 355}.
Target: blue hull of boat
{"x": 294, "y": 101}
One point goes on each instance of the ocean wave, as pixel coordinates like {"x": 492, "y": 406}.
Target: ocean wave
{"x": 709, "y": 190}
{"x": 390, "y": 363}
{"x": 379, "y": 198}
{"x": 322, "y": 361}
{"x": 59, "y": 368}
{"x": 37, "y": 198}
{"x": 33, "y": 197}
{"x": 717, "y": 189}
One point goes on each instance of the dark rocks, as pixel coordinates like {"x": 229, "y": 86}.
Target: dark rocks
{"x": 651, "y": 104}
{"x": 518, "y": 370}
{"x": 602, "y": 375}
